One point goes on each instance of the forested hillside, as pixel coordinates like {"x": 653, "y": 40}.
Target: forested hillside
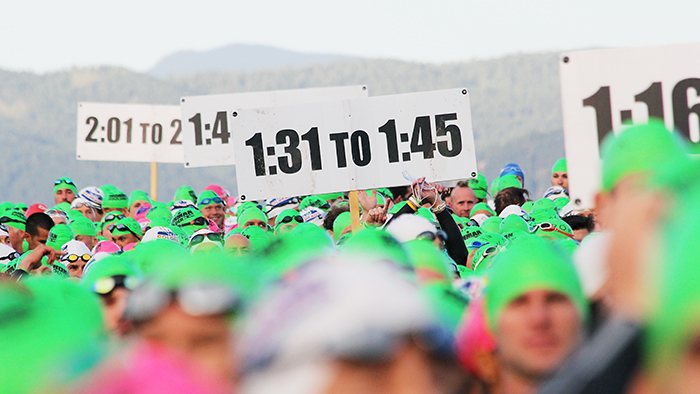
{"x": 514, "y": 100}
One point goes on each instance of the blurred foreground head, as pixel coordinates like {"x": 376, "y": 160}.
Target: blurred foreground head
{"x": 342, "y": 325}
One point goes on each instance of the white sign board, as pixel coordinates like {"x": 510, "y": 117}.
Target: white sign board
{"x": 205, "y": 119}
{"x": 353, "y": 144}
{"x": 603, "y": 89}
{"x": 129, "y": 132}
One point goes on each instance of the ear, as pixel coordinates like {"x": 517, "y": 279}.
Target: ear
{"x": 27, "y": 237}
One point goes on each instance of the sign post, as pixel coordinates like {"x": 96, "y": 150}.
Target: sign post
{"x": 603, "y": 91}
{"x": 353, "y": 144}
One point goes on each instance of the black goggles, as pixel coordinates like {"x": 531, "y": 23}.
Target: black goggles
{"x": 148, "y": 300}
{"x": 199, "y": 238}
{"x": 110, "y": 217}
{"x": 288, "y": 219}
{"x": 106, "y": 285}
{"x": 11, "y": 256}
{"x": 197, "y": 222}
{"x": 63, "y": 180}
{"x": 6, "y": 219}
{"x": 122, "y": 227}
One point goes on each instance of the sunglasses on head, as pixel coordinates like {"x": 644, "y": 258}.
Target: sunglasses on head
{"x": 64, "y": 180}
{"x": 148, "y": 300}
{"x": 74, "y": 257}
{"x": 288, "y": 219}
{"x": 546, "y": 226}
{"x": 122, "y": 227}
{"x": 199, "y": 238}
{"x": 106, "y": 285}
{"x": 212, "y": 200}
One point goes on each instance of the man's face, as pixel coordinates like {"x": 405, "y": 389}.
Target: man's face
{"x": 256, "y": 222}
{"x": 462, "y": 201}
{"x": 237, "y": 245}
{"x": 89, "y": 241}
{"x": 536, "y": 331}
{"x": 135, "y": 207}
{"x": 560, "y": 178}
{"x": 124, "y": 239}
{"x": 40, "y": 239}
{"x": 113, "y": 306}
{"x": 215, "y": 213}
{"x": 205, "y": 340}
{"x": 16, "y": 238}
{"x": 75, "y": 270}
{"x": 64, "y": 195}
{"x": 89, "y": 213}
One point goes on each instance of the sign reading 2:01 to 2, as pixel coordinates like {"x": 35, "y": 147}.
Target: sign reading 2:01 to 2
{"x": 129, "y": 132}
{"x": 353, "y": 144}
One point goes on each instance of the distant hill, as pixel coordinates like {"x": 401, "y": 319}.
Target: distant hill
{"x": 515, "y": 105}
{"x": 237, "y": 58}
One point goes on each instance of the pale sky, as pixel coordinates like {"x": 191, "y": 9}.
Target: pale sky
{"x": 43, "y": 36}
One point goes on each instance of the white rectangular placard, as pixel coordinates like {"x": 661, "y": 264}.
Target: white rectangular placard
{"x": 129, "y": 132}
{"x": 205, "y": 119}
{"x": 603, "y": 89}
{"x": 353, "y": 144}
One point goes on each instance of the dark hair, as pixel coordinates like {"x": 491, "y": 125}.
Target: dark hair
{"x": 510, "y": 196}
{"x": 333, "y": 213}
{"x": 579, "y": 222}
{"x": 38, "y": 220}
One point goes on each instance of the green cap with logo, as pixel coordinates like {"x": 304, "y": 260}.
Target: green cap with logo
{"x": 58, "y": 236}
{"x": 115, "y": 199}
{"x": 132, "y": 227}
{"x": 14, "y": 218}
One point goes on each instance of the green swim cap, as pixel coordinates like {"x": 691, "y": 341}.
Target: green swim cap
{"x": 493, "y": 239}
{"x": 513, "y": 222}
{"x": 376, "y": 243}
{"x": 559, "y": 166}
{"x": 527, "y": 207}
{"x": 544, "y": 204}
{"x": 494, "y": 186}
{"x": 314, "y": 201}
{"x": 561, "y": 203}
{"x": 479, "y": 186}
{"x": 160, "y": 221}
{"x": 109, "y": 266}
{"x": 447, "y": 304}
{"x": 331, "y": 196}
{"x": 287, "y": 213}
{"x": 138, "y": 195}
{"x": 430, "y": 265}
{"x": 185, "y": 193}
{"x": 131, "y": 224}
{"x": 65, "y": 183}
{"x": 207, "y": 195}
{"x": 157, "y": 212}
{"x": 185, "y": 218}
{"x": 491, "y": 225}
{"x": 340, "y": 224}
{"x": 258, "y": 237}
{"x": 469, "y": 232}
{"x": 156, "y": 255}
{"x": 559, "y": 230}
{"x": 83, "y": 226}
{"x": 481, "y": 206}
{"x": 507, "y": 181}
{"x": 649, "y": 148}
{"x": 15, "y": 218}
{"x": 530, "y": 263}
{"x": 115, "y": 199}
{"x": 250, "y": 214}
{"x": 58, "y": 236}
